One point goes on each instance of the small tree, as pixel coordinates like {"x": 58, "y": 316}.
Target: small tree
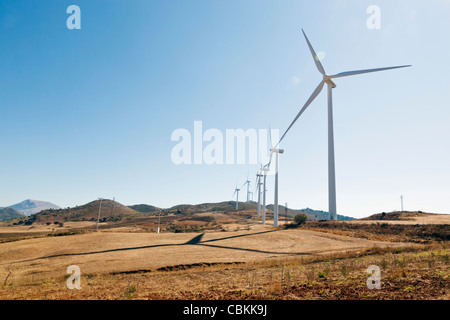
{"x": 300, "y": 218}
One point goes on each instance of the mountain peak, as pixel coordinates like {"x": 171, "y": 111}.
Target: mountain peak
{"x": 30, "y": 206}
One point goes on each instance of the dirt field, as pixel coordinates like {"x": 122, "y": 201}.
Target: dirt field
{"x": 404, "y": 274}
{"x": 227, "y": 258}
{"x": 106, "y": 252}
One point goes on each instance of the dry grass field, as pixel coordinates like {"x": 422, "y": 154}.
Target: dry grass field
{"x": 234, "y": 259}
{"x": 408, "y": 218}
{"x": 107, "y": 252}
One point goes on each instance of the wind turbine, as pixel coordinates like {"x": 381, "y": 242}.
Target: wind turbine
{"x": 248, "y": 187}
{"x": 236, "y": 192}
{"x": 327, "y": 79}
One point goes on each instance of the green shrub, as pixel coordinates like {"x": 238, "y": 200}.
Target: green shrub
{"x": 300, "y": 218}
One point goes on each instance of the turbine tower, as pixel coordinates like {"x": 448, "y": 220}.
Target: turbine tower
{"x": 275, "y": 205}
{"x": 328, "y": 79}
{"x": 264, "y": 170}
{"x": 258, "y": 184}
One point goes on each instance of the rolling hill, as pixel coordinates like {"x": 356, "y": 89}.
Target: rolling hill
{"x": 114, "y": 211}
{"x": 109, "y": 211}
{"x": 144, "y": 208}
{"x": 231, "y": 205}
{"x": 205, "y": 207}
{"x": 194, "y": 208}
{"x": 9, "y": 213}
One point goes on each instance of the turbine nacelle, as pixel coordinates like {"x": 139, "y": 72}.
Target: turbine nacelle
{"x": 327, "y": 79}
{"x": 277, "y": 150}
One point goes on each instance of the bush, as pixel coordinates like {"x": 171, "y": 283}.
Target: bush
{"x": 300, "y": 218}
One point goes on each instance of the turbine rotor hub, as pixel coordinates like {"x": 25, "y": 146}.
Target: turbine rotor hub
{"x": 328, "y": 80}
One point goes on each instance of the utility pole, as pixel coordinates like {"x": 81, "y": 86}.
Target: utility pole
{"x": 159, "y": 221}
{"x": 98, "y": 217}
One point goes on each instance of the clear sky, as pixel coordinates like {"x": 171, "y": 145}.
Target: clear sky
{"x": 89, "y": 113}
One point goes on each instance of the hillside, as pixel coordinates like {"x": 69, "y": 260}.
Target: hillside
{"x": 205, "y": 207}
{"x": 231, "y": 205}
{"x": 109, "y": 211}
{"x": 144, "y": 208}
{"x": 9, "y": 213}
{"x": 393, "y": 216}
{"x": 29, "y": 207}
{"x": 112, "y": 211}
{"x": 313, "y": 215}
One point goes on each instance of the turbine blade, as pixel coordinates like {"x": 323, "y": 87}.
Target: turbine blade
{"x": 270, "y": 137}
{"x": 315, "y": 57}
{"x": 311, "y": 98}
{"x": 270, "y": 161}
{"x": 355, "y": 72}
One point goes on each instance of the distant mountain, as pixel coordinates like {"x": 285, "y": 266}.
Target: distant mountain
{"x": 9, "y": 213}
{"x": 29, "y": 207}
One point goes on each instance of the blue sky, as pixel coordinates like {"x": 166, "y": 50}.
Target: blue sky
{"x": 89, "y": 113}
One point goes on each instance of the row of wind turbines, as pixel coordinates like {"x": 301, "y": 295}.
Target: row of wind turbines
{"x": 261, "y": 175}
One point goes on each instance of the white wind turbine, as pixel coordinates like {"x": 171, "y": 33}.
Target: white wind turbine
{"x": 236, "y": 192}
{"x": 247, "y": 182}
{"x": 327, "y": 79}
